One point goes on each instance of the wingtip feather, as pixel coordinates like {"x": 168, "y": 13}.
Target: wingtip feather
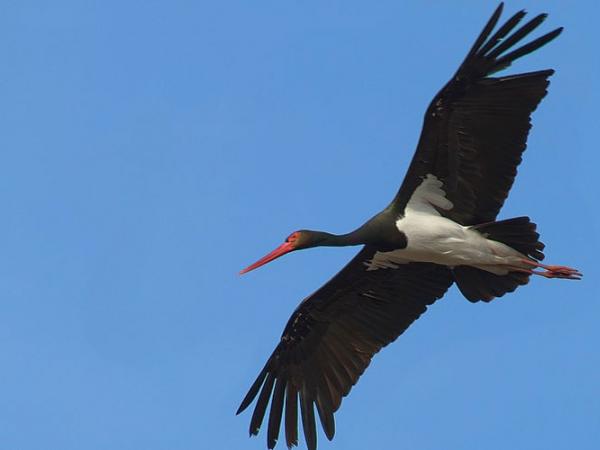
{"x": 308, "y": 419}
{"x": 261, "y": 405}
{"x": 275, "y": 413}
{"x": 252, "y": 391}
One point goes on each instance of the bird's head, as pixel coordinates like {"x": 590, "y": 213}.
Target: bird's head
{"x": 298, "y": 240}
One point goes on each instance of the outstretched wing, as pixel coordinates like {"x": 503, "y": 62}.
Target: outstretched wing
{"x": 330, "y": 339}
{"x": 476, "y": 127}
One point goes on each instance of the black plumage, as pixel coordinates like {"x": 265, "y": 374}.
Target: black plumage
{"x": 475, "y": 129}
{"x": 331, "y": 337}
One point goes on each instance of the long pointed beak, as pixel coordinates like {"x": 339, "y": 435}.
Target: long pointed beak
{"x": 284, "y": 248}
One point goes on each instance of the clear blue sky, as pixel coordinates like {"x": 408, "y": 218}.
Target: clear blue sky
{"x": 150, "y": 150}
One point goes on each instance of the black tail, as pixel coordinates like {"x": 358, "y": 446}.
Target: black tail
{"x": 518, "y": 233}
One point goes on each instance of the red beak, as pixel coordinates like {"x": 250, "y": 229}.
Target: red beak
{"x": 284, "y": 248}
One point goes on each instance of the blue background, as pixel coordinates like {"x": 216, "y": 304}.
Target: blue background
{"x": 150, "y": 150}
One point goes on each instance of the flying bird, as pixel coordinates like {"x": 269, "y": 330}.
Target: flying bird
{"x": 439, "y": 229}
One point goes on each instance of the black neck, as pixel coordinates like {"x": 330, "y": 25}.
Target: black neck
{"x": 380, "y": 231}
{"x": 341, "y": 240}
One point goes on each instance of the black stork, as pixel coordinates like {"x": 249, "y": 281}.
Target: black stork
{"x": 439, "y": 229}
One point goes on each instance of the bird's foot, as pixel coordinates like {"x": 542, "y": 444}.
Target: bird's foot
{"x": 565, "y": 272}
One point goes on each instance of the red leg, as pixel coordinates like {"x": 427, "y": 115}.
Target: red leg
{"x": 553, "y": 271}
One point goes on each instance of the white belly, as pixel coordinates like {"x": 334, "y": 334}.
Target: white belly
{"x": 436, "y": 239}
{"x": 439, "y": 240}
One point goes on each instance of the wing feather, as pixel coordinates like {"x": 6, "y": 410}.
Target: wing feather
{"x": 308, "y": 418}
{"x": 275, "y": 412}
{"x": 331, "y": 338}
{"x": 475, "y": 129}
{"x": 291, "y": 415}
{"x": 261, "y": 404}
